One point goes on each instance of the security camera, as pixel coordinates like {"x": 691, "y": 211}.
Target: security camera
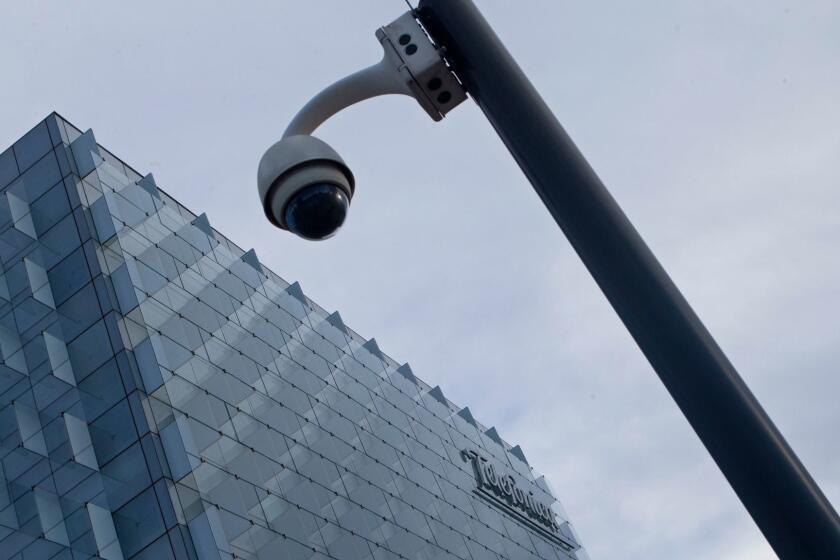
{"x": 304, "y": 185}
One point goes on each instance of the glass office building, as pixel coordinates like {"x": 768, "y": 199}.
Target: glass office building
{"x": 164, "y": 395}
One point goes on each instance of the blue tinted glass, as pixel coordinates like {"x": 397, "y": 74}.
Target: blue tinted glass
{"x": 8, "y": 167}
{"x": 139, "y": 522}
{"x": 33, "y": 146}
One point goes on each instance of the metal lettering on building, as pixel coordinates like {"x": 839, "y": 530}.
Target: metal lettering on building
{"x": 502, "y": 490}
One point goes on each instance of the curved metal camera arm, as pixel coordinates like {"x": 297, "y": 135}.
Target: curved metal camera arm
{"x": 304, "y": 185}
{"x": 370, "y": 82}
{"x": 411, "y": 65}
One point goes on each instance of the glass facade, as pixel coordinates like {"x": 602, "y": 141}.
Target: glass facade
{"x": 164, "y": 395}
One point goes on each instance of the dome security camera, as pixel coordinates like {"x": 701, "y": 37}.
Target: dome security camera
{"x": 304, "y": 185}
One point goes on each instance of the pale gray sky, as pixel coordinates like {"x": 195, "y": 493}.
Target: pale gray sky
{"x": 715, "y": 124}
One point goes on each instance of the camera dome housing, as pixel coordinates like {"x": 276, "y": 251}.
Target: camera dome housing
{"x": 305, "y": 187}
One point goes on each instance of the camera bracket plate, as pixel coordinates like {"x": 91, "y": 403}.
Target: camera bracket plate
{"x": 421, "y": 66}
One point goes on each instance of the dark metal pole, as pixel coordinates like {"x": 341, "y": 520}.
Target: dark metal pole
{"x": 783, "y": 499}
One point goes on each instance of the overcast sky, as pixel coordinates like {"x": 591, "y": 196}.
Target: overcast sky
{"x": 716, "y": 125}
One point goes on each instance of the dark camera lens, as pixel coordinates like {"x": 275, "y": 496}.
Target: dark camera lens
{"x": 317, "y": 211}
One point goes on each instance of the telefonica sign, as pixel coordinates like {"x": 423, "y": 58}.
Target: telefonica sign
{"x": 501, "y": 490}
